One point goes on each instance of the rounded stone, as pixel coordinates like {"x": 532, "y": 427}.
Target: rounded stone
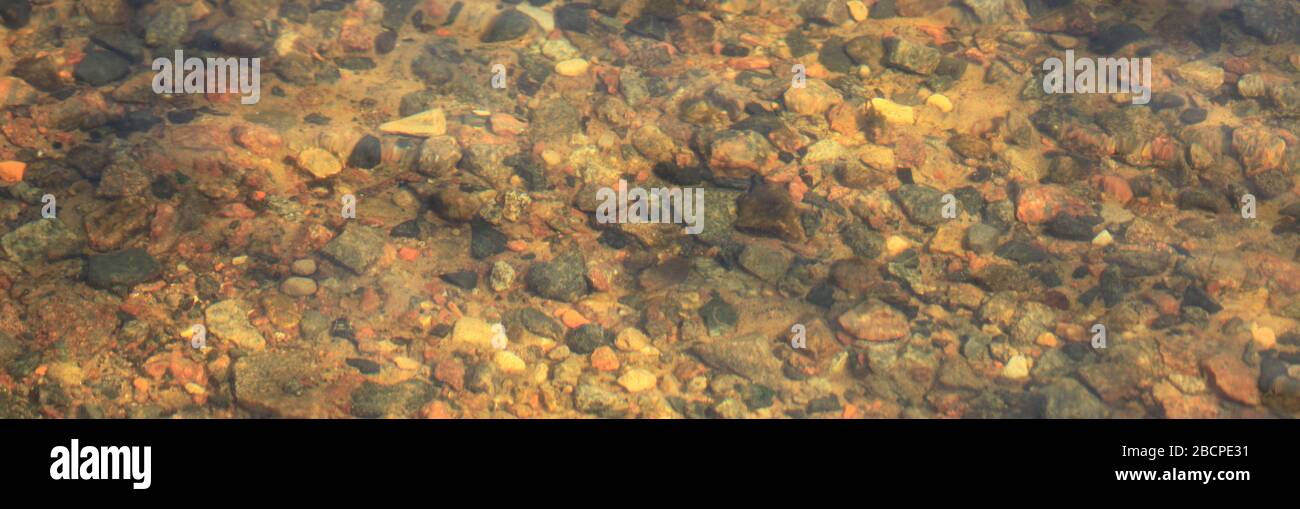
{"x": 298, "y": 286}
{"x": 303, "y": 267}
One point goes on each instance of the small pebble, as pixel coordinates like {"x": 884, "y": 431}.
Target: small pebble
{"x": 604, "y": 359}
{"x": 1264, "y": 337}
{"x": 858, "y": 10}
{"x": 637, "y": 380}
{"x": 892, "y": 112}
{"x": 1017, "y": 368}
{"x": 503, "y": 275}
{"x": 303, "y": 267}
{"x": 939, "y": 101}
{"x": 1192, "y": 116}
{"x": 508, "y": 362}
{"x": 631, "y": 339}
{"x": 298, "y": 286}
{"x": 571, "y": 68}
{"x": 896, "y": 244}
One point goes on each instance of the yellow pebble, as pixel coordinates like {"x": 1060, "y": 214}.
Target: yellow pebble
{"x": 571, "y": 68}
{"x": 940, "y": 101}
{"x": 858, "y": 10}
{"x": 896, "y": 244}
{"x": 508, "y": 362}
{"x": 1264, "y": 337}
{"x": 892, "y": 112}
{"x": 637, "y": 380}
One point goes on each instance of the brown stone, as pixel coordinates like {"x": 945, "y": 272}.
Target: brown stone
{"x": 1233, "y": 378}
{"x": 875, "y": 321}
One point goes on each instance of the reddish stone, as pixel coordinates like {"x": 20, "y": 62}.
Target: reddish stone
{"x": 437, "y": 410}
{"x": 878, "y": 322}
{"x": 599, "y": 277}
{"x": 12, "y": 171}
{"x": 14, "y": 92}
{"x": 910, "y": 151}
{"x": 1056, "y": 299}
{"x": 1258, "y": 148}
{"x": 236, "y": 211}
{"x": 1163, "y": 148}
{"x": 1280, "y": 272}
{"x": 257, "y": 139}
{"x": 845, "y": 118}
{"x": 1238, "y": 65}
{"x": 182, "y": 369}
{"x": 356, "y": 36}
{"x": 788, "y": 140}
{"x": 164, "y": 217}
{"x": 741, "y": 150}
{"x": 604, "y": 359}
{"x": 1166, "y": 304}
{"x": 1040, "y": 204}
{"x": 752, "y": 63}
{"x": 1233, "y": 377}
{"x": 1088, "y": 140}
{"x": 450, "y": 371}
{"x": 505, "y": 124}
{"x": 1116, "y": 188}
{"x": 24, "y": 133}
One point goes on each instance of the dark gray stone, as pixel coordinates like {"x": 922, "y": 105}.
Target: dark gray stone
{"x": 912, "y": 57}
{"x": 1114, "y": 37}
{"x": 720, "y": 317}
{"x": 587, "y": 338}
{"x": 508, "y": 26}
{"x": 240, "y": 38}
{"x": 864, "y": 242}
{"x": 40, "y": 240}
{"x": 121, "y": 268}
{"x": 1069, "y": 399}
{"x": 563, "y": 278}
{"x": 825, "y": 12}
{"x": 15, "y": 13}
{"x": 749, "y": 356}
{"x": 485, "y": 240}
{"x": 982, "y": 238}
{"x": 357, "y": 248}
{"x": 923, "y": 205}
{"x": 373, "y": 401}
{"x": 765, "y": 262}
{"x": 367, "y": 154}
{"x": 101, "y": 68}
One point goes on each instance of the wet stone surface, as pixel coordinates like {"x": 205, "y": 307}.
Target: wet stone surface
{"x": 828, "y": 209}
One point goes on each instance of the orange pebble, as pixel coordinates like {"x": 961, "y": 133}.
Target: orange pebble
{"x": 408, "y": 253}
{"x": 437, "y": 410}
{"x": 604, "y": 359}
{"x": 517, "y": 246}
{"x": 12, "y": 171}
{"x": 851, "y": 412}
{"x": 571, "y": 318}
{"x": 797, "y": 190}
